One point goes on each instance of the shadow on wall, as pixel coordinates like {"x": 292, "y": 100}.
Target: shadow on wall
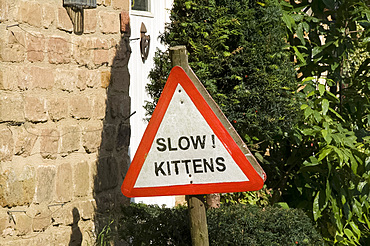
{"x": 76, "y": 235}
{"x": 113, "y": 159}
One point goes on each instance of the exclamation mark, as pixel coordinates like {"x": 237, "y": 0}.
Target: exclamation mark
{"x": 213, "y": 141}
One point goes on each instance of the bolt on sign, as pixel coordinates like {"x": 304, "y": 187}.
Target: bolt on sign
{"x": 189, "y": 149}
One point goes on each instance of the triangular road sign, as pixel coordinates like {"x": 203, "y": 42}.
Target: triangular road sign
{"x": 187, "y": 148}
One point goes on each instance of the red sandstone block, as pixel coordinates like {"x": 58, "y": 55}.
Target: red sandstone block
{"x": 83, "y": 51}
{"x": 14, "y": 77}
{"x": 49, "y": 144}
{"x": 91, "y": 136}
{"x": 35, "y": 46}
{"x": 59, "y": 50}
{"x": 12, "y": 45}
{"x": 99, "y": 105}
{"x": 121, "y": 4}
{"x": 11, "y": 107}
{"x": 65, "y": 80}
{"x": 30, "y": 12}
{"x": 63, "y": 183}
{"x": 64, "y": 22}
{"x": 6, "y": 82}
{"x": 81, "y": 179}
{"x": 101, "y": 52}
{"x": 42, "y": 78}
{"x": 35, "y": 109}
{"x": 114, "y": 44}
{"x": 87, "y": 79}
{"x": 48, "y": 15}
{"x": 109, "y": 22}
{"x": 4, "y": 11}
{"x": 22, "y": 77}
{"x": 45, "y": 183}
{"x": 34, "y": 14}
{"x": 6, "y": 144}
{"x": 125, "y": 22}
{"x": 80, "y": 107}
{"x": 90, "y": 78}
{"x": 90, "y": 20}
{"x": 70, "y": 138}
{"x": 57, "y": 108}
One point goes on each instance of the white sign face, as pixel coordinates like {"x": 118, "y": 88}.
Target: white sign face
{"x": 186, "y": 151}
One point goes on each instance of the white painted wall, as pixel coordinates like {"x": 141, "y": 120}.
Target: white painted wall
{"x": 154, "y": 21}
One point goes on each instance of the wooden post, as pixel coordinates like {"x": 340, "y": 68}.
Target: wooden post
{"x": 196, "y": 206}
{"x": 198, "y": 220}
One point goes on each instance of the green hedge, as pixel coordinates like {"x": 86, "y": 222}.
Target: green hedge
{"x": 229, "y": 225}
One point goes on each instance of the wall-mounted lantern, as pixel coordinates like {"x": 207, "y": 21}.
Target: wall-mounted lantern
{"x": 75, "y": 10}
{"x": 144, "y": 43}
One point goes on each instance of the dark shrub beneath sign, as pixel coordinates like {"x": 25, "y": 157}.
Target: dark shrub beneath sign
{"x": 229, "y": 225}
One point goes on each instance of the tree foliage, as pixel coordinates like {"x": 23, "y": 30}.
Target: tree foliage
{"x": 235, "y": 48}
{"x": 329, "y": 40}
{"x": 310, "y": 132}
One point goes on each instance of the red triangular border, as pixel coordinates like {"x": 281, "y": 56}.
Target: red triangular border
{"x": 178, "y": 76}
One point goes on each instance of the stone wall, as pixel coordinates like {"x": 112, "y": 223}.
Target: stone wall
{"x": 64, "y": 132}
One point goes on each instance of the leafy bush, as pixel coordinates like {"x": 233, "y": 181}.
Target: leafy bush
{"x": 150, "y": 225}
{"x": 230, "y": 225}
{"x": 251, "y": 225}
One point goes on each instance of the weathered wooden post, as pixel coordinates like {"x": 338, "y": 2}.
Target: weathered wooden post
{"x": 198, "y": 220}
{"x": 196, "y": 206}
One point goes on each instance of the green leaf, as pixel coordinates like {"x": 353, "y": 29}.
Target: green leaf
{"x": 321, "y": 89}
{"x": 312, "y": 162}
{"x": 355, "y": 229}
{"x": 283, "y": 205}
{"x": 330, "y": 4}
{"x": 311, "y": 94}
{"x": 307, "y": 112}
{"x": 188, "y": 5}
{"x": 327, "y": 192}
{"x": 308, "y": 132}
{"x": 354, "y": 164}
{"x": 348, "y": 233}
{"x": 337, "y": 214}
{"x": 316, "y": 50}
{"x": 315, "y": 208}
{"x": 357, "y": 208}
{"x": 227, "y": 54}
{"x": 300, "y": 33}
{"x": 258, "y": 156}
{"x": 326, "y": 136}
{"x": 306, "y": 27}
{"x": 336, "y": 114}
{"x": 317, "y": 116}
{"x": 308, "y": 79}
{"x": 286, "y": 4}
{"x": 299, "y": 55}
{"x": 324, "y": 153}
{"x": 325, "y": 106}
{"x": 288, "y": 20}
{"x": 367, "y": 221}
